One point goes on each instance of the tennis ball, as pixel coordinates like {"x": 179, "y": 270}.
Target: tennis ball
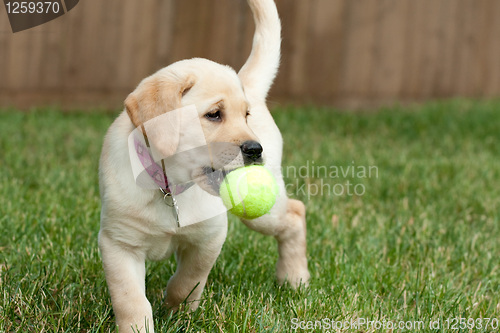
{"x": 249, "y": 192}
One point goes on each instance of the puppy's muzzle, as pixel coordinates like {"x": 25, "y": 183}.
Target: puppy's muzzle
{"x": 252, "y": 152}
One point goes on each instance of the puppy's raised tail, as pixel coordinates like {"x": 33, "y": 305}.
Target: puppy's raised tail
{"x": 259, "y": 71}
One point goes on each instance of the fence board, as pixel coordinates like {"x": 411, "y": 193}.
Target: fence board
{"x": 451, "y": 32}
{"x": 492, "y": 87}
{"x": 110, "y": 40}
{"x": 126, "y": 55}
{"x": 246, "y": 29}
{"x": 145, "y": 50}
{"x": 358, "y": 53}
{"x": 5, "y": 42}
{"x": 324, "y": 67}
{"x": 286, "y": 11}
{"x": 297, "y": 48}
{"x": 468, "y": 69}
{"x": 429, "y": 50}
{"x": 389, "y": 52}
{"x": 480, "y": 53}
{"x": 484, "y": 30}
{"x": 165, "y": 32}
{"x": 32, "y": 73}
{"x": 90, "y": 44}
{"x": 18, "y": 59}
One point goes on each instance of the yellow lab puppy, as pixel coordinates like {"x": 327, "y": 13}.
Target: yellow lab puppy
{"x": 139, "y": 222}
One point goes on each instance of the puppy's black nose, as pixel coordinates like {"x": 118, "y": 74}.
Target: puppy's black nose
{"x": 251, "y": 150}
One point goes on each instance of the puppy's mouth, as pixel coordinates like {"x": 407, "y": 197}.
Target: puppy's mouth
{"x": 210, "y": 179}
{"x": 214, "y": 178}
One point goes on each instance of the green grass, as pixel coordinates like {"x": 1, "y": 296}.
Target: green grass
{"x": 422, "y": 243}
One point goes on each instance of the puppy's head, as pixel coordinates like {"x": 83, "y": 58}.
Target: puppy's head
{"x": 222, "y": 112}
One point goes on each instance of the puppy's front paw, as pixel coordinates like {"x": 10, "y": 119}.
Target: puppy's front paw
{"x": 293, "y": 272}
{"x": 292, "y": 262}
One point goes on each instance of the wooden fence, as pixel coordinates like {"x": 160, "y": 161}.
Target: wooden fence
{"x": 340, "y": 52}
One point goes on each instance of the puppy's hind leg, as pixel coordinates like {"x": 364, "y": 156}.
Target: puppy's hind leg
{"x": 288, "y": 225}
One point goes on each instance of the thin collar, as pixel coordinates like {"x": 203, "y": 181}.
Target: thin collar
{"x": 155, "y": 171}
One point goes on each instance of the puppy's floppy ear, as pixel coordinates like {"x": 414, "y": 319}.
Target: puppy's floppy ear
{"x": 148, "y": 107}
{"x": 156, "y": 95}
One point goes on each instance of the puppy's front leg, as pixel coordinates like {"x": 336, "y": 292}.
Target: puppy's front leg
{"x": 289, "y": 229}
{"x": 125, "y": 276}
{"x": 194, "y": 262}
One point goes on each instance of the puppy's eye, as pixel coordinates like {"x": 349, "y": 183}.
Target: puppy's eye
{"x": 248, "y": 113}
{"x": 214, "y": 116}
